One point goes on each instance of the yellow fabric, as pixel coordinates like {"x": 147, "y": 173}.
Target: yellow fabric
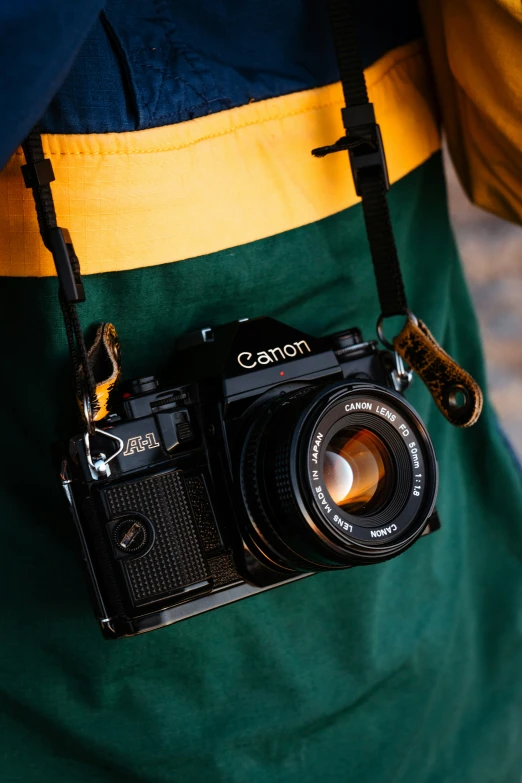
{"x": 151, "y": 197}
{"x": 476, "y": 49}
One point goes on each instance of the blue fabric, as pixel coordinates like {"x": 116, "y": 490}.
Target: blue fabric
{"x": 95, "y": 96}
{"x": 146, "y": 63}
{"x": 157, "y": 62}
{"x": 38, "y": 42}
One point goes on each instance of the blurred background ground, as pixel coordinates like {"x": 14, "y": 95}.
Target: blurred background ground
{"x": 491, "y": 250}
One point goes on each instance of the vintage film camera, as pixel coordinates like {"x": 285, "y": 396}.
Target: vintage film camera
{"x": 275, "y": 455}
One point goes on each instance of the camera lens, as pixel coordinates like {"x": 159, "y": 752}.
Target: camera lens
{"x": 340, "y": 476}
{"x": 358, "y": 470}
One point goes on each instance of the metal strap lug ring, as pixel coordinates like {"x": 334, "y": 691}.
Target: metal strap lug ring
{"x": 380, "y": 333}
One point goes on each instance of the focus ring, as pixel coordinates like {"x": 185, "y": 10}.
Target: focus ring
{"x": 262, "y": 529}
{"x": 266, "y": 481}
{"x": 279, "y": 470}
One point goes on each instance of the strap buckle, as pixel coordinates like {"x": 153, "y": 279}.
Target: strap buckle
{"x": 363, "y": 141}
{"x": 368, "y": 154}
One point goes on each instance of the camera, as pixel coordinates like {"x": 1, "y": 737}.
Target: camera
{"x": 269, "y": 455}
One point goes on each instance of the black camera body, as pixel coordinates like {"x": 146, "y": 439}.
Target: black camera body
{"x": 271, "y": 455}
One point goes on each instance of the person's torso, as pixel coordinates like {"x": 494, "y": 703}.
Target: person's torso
{"x": 181, "y": 144}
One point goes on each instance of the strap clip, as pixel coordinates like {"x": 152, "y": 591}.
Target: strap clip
{"x": 66, "y": 263}
{"x": 363, "y": 141}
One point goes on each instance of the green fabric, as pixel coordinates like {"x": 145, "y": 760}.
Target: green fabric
{"x": 405, "y": 672}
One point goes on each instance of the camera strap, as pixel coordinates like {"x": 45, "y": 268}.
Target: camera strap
{"x": 455, "y": 392}
{"x": 363, "y": 142}
{"x": 96, "y": 371}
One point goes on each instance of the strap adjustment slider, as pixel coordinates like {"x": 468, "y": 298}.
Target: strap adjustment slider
{"x": 37, "y": 174}
{"x": 363, "y": 142}
{"x": 67, "y": 265}
{"x": 367, "y": 153}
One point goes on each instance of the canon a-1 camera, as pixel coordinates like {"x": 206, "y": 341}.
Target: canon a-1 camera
{"x": 269, "y": 455}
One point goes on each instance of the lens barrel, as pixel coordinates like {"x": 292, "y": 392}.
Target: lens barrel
{"x": 342, "y": 476}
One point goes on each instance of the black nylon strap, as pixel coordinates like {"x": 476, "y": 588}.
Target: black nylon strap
{"x": 43, "y": 198}
{"x": 364, "y": 145}
{"x": 390, "y": 286}
{"x": 348, "y": 53}
{"x": 38, "y": 174}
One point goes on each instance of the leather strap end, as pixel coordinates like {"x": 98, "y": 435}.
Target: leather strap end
{"x": 105, "y": 360}
{"x": 457, "y": 395}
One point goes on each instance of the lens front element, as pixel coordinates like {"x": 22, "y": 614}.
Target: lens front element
{"x": 358, "y": 471}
